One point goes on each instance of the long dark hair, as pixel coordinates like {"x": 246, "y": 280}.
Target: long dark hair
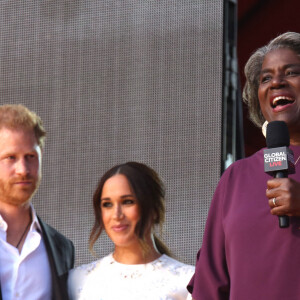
{"x": 150, "y": 193}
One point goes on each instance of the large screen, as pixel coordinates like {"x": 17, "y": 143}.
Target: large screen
{"x": 118, "y": 81}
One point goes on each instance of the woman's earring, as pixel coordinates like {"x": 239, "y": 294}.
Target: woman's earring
{"x": 264, "y": 128}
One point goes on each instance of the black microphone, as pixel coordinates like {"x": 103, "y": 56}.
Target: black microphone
{"x": 278, "y": 158}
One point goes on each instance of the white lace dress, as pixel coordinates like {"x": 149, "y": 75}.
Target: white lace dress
{"x": 163, "y": 279}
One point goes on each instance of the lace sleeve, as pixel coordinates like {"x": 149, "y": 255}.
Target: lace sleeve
{"x": 77, "y": 278}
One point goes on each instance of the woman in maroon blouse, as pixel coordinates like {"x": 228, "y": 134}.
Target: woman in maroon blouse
{"x": 245, "y": 255}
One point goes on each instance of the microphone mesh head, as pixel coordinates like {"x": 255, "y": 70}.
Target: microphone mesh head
{"x": 277, "y": 135}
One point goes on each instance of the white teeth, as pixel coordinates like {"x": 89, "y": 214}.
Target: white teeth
{"x": 281, "y": 98}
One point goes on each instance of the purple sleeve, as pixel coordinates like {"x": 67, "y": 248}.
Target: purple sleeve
{"x": 211, "y": 279}
{"x": 191, "y": 283}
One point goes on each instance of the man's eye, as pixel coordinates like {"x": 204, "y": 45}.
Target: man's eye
{"x": 30, "y": 156}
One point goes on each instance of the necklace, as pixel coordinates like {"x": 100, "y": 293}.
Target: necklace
{"x": 297, "y": 160}
{"x": 21, "y": 238}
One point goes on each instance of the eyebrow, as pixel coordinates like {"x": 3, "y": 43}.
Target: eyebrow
{"x": 123, "y": 196}
{"x": 268, "y": 70}
{"x": 7, "y": 154}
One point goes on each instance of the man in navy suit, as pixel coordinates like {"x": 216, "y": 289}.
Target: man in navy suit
{"x": 34, "y": 257}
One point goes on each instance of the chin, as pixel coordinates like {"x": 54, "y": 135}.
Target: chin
{"x": 293, "y": 125}
{"x": 292, "y": 122}
{"x": 21, "y": 200}
{"x": 122, "y": 243}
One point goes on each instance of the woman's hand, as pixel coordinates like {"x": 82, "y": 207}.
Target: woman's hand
{"x": 284, "y": 196}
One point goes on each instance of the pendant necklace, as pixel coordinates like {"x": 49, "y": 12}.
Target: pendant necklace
{"x": 22, "y": 236}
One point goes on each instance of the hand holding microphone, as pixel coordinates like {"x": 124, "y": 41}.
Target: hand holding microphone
{"x": 279, "y": 162}
{"x": 286, "y": 195}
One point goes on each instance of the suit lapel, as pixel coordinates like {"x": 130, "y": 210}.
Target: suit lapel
{"x": 58, "y": 264}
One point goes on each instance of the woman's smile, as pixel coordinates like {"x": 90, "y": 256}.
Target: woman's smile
{"x": 119, "y": 228}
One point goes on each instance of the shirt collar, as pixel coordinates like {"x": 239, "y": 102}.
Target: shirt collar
{"x": 34, "y": 224}
{"x": 3, "y": 224}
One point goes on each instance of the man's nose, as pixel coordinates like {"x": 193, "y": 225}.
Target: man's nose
{"x": 22, "y": 167}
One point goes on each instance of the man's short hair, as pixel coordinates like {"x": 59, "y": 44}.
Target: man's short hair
{"x": 17, "y": 116}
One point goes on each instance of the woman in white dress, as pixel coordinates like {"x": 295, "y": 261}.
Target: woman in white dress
{"x": 128, "y": 202}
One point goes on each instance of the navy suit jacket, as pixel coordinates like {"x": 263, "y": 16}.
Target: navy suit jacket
{"x": 61, "y": 258}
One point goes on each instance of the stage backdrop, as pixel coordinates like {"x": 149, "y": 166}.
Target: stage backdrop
{"x": 117, "y": 81}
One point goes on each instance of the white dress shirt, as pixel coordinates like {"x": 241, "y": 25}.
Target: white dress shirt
{"x": 25, "y": 275}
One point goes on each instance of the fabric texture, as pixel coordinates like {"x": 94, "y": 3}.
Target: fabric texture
{"x": 245, "y": 255}
{"x": 105, "y": 279}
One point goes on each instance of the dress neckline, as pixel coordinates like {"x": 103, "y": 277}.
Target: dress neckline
{"x": 155, "y": 261}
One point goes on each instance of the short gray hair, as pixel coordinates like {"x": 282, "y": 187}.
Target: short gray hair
{"x": 290, "y": 40}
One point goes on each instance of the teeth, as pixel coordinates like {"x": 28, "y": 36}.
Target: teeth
{"x": 281, "y": 98}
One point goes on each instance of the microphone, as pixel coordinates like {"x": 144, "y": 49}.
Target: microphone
{"x": 278, "y": 158}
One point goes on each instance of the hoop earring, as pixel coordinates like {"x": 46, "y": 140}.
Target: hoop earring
{"x": 264, "y": 128}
